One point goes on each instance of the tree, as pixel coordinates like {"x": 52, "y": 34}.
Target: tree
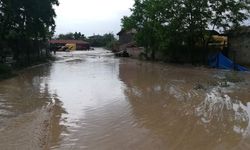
{"x": 72, "y": 36}
{"x": 79, "y": 36}
{"x": 176, "y": 27}
{"x": 68, "y": 36}
{"x": 107, "y": 40}
{"x": 26, "y": 25}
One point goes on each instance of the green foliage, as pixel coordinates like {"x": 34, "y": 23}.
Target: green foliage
{"x": 25, "y": 26}
{"x": 112, "y": 45}
{"x": 72, "y": 36}
{"x": 106, "y": 40}
{"x": 178, "y": 28}
{"x": 29, "y": 18}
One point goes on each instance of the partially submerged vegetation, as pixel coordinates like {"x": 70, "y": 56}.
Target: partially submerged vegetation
{"x": 11, "y": 70}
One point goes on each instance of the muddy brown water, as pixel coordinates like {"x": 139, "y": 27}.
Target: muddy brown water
{"x": 92, "y": 100}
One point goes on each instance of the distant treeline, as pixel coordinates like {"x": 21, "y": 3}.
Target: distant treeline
{"x": 107, "y": 40}
{"x": 71, "y": 36}
{"x": 25, "y": 28}
{"x": 179, "y": 29}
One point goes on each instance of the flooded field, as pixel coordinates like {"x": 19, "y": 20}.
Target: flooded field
{"x": 94, "y": 101}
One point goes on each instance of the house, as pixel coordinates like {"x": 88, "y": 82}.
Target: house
{"x": 218, "y": 43}
{"x": 239, "y": 45}
{"x": 126, "y": 36}
{"x": 217, "y": 40}
{"x": 79, "y": 44}
{"x": 126, "y": 39}
{"x": 127, "y": 43}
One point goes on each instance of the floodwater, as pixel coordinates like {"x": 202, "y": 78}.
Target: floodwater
{"x": 94, "y": 101}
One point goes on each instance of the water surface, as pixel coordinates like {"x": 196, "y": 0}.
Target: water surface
{"x": 92, "y": 100}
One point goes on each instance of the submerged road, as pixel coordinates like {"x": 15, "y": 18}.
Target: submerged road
{"x": 94, "y": 101}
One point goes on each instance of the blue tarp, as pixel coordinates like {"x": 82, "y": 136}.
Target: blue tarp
{"x": 222, "y": 62}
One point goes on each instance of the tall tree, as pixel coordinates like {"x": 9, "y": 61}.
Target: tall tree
{"x": 24, "y": 23}
{"x": 106, "y": 40}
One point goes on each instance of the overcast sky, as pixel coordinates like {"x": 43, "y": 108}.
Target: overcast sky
{"x": 91, "y": 16}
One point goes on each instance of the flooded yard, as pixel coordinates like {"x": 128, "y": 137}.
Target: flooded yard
{"x": 94, "y": 101}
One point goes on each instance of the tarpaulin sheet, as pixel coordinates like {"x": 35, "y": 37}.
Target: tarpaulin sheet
{"x": 222, "y": 62}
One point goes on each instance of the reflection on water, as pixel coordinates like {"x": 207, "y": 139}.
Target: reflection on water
{"x": 91, "y": 100}
{"x": 92, "y": 96}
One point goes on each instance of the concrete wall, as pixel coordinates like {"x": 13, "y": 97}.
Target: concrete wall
{"x": 239, "y": 47}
